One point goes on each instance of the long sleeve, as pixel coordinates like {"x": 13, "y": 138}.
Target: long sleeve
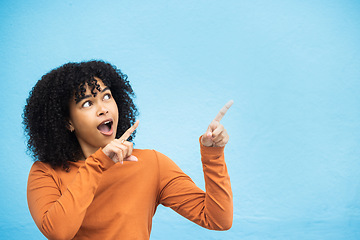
{"x": 59, "y": 213}
{"x": 212, "y": 209}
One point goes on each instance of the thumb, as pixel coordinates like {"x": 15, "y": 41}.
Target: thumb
{"x": 206, "y": 138}
{"x": 131, "y": 158}
{"x": 212, "y": 126}
{"x": 208, "y": 133}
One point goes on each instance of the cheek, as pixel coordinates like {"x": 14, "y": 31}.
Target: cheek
{"x": 115, "y": 109}
{"x": 82, "y": 120}
{"x": 115, "y": 115}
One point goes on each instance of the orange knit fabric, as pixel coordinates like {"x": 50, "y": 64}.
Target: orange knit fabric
{"x": 98, "y": 199}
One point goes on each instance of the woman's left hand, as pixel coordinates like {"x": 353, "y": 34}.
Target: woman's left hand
{"x": 216, "y": 135}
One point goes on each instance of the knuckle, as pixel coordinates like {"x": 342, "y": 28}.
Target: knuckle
{"x": 119, "y": 152}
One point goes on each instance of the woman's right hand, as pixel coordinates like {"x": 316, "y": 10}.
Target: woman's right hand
{"x": 120, "y": 150}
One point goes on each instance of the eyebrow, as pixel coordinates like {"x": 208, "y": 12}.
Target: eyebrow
{"x": 88, "y": 96}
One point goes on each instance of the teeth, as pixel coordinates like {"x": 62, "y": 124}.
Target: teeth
{"x": 107, "y": 122}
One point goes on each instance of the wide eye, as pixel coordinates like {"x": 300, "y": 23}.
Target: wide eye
{"x": 107, "y": 96}
{"x": 86, "y": 104}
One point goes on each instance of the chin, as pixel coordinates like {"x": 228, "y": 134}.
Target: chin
{"x": 110, "y": 139}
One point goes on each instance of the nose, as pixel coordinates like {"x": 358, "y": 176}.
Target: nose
{"x": 102, "y": 110}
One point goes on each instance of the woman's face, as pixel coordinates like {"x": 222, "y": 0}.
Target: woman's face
{"x": 94, "y": 119}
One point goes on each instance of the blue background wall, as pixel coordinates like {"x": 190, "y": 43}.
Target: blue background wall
{"x": 292, "y": 68}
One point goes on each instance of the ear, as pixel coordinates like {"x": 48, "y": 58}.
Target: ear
{"x": 70, "y": 127}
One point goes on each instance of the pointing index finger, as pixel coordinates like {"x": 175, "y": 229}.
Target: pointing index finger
{"x": 223, "y": 110}
{"x": 128, "y": 132}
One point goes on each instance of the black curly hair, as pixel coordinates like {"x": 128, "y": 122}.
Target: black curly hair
{"x": 46, "y": 112}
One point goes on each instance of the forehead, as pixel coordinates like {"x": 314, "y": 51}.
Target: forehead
{"x": 88, "y": 89}
{"x": 98, "y": 82}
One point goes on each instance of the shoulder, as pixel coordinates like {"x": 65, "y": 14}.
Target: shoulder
{"x": 39, "y": 170}
{"x": 157, "y": 159}
{"x": 150, "y": 155}
{"x": 144, "y": 152}
{"x": 41, "y": 166}
{"x": 41, "y": 174}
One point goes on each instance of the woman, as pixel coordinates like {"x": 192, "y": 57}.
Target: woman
{"x": 89, "y": 183}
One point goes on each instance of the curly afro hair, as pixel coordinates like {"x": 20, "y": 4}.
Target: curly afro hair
{"x": 46, "y": 112}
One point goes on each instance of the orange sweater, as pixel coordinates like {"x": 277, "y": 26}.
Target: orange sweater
{"x": 98, "y": 199}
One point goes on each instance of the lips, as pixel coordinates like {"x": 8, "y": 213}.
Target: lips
{"x": 106, "y": 127}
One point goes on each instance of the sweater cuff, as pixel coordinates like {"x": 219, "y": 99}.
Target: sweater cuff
{"x": 103, "y": 159}
{"x": 210, "y": 153}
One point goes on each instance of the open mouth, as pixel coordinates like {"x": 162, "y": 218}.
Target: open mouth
{"x": 106, "y": 127}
